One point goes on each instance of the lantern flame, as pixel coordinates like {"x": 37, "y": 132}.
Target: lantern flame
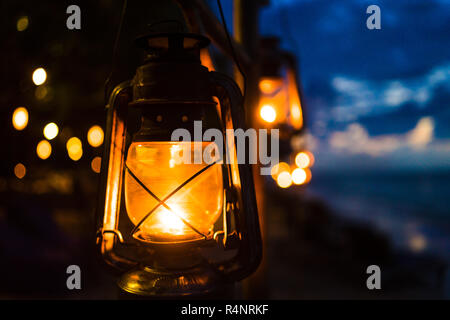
{"x": 268, "y": 113}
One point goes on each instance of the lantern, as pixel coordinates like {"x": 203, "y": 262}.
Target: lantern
{"x": 280, "y": 107}
{"x": 279, "y": 104}
{"x": 175, "y": 228}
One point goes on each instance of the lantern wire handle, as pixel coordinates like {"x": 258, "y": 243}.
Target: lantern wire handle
{"x": 116, "y": 47}
{"x": 163, "y": 202}
{"x": 236, "y": 61}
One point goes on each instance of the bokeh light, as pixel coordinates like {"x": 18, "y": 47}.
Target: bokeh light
{"x": 268, "y": 113}
{"x": 299, "y": 176}
{"x": 20, "y": 170}
{"x": 74, "y": 148}
{"x": 51, "y": 131}
{"x": 284, "y": 179}
{"x": 304, "y": 159}
{"x": 96, "y": 164}
{"x": 20, "y": 118}
{"x": 44, "y": 149}
{"x": 417, "y": 242}
{"x": 278, "y": 168}
{"x": 296, "y": 114}
{"x": 22, "y": 23}
{"x": 95, "y": 136}
{"x": 308, "y": 175}
{"x": 39, "y": 76}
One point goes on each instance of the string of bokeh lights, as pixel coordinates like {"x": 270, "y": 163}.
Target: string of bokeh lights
{"x": 74, "y": 146}
{"x": 298, "y": 174}
{"x": 284, "y": 174}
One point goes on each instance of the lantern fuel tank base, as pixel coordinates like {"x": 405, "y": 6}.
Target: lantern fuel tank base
{"x": 198, "y": 282}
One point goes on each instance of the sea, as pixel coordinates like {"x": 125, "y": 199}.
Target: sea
{"x": 412, "y": 208}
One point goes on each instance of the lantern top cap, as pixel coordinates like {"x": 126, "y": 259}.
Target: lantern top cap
{"x": 170, "y": 44}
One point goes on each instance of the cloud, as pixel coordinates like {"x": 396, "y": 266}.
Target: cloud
{"x": 356, "y": 97}
{"x": 422, "y": 134}
{"x": 356, "y": 139}
{"x": 305, "y": 140}
{"x": 397, "y": 94}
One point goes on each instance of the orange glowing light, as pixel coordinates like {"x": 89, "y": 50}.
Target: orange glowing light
{"x": 96, "y": 164}
{"x": 95, "y": 136}
{"x": 266, "y": 86}
{"x": 304, "y": 159}
{"x": 296, "y": 114}
{"x": 299, "y": 176}
{"x": 20, "y": 170}
{"x": 20, "y": 118}
{"x": 206, "y": 59}
{"x": 199, "y": 203}
{"x": 273, "y": 100}
{"x": 74, "y": 148}
{"x": 284, "y": 179}
{"x": 270, "y": 85}
{"x": 308, "y": 175}
{"x": 44, "y": 149}
{"x": 282, "y": 94}
{"x": 268, "y": 113}
{"x": 278, "y": 168}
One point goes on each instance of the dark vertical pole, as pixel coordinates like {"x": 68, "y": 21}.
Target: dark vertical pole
{"x": 245, "y": 29}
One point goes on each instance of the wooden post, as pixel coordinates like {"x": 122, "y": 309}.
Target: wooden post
{"x": 245, "y": 27}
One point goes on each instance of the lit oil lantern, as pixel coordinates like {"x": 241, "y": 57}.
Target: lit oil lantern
{"x": 175, "y": 228}
{"x": 279, "y": 104}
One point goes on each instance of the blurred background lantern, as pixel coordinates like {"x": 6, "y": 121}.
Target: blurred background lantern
{"x": 162, "y": 228}
{"x": 279, "y": 104}
{"x": 280, "y": 107}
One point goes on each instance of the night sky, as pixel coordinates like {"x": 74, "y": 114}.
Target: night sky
{"x": 375, "y": 99}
